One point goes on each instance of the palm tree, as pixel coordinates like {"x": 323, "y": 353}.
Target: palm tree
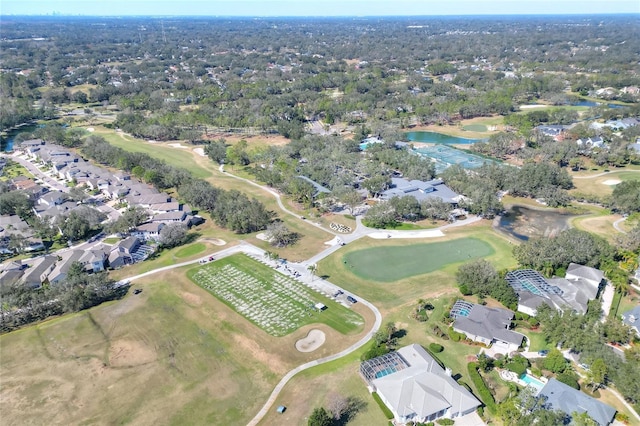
{"x": 312, "y": 270}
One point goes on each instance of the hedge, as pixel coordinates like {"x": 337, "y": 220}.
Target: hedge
{"x": 388, "y": 414}
{"x": 483, "y": 392}
{"x": 434, "y": 347}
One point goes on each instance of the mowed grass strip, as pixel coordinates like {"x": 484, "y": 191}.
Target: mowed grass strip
{"x": 276, "y": 303}
{"x": 191, "y": 250}
{"x": 392, "y": 263}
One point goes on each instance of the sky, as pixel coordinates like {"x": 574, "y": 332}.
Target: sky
{"x": 314, "y": 7}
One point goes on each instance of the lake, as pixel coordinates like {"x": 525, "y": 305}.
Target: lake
{"x": 524, "y": 222}
{"x": 438, "y": 138}
{"x": 7, "y": 144}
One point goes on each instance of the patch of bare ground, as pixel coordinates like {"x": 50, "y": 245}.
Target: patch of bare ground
{"x": 130, "y": 353}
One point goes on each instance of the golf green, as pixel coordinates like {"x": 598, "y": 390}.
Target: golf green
{"x": 392, "y": 263}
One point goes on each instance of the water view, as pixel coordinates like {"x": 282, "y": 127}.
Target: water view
{"x": 438, "y": 138}
{"x": 523, "y": 222}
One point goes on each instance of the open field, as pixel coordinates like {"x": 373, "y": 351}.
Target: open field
{"x": 601, "y": 184}
{"x": 275, "y": 302}
{"x": 389, "y": 296}
{"x": 175, "y": 156}
{"x": 392, "y": 263}
{"x": 474, "y": 128}
{"x": 14, "y": 169}
{"x": 172, "y": 354}
{"x": 191, "y": 250}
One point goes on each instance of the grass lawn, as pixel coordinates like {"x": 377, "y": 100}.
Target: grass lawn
{"x": 191, "y": 250}
{"x": 588, "y": 183}
{"x": 427, "y": 285}
{"x": 395, "y": 262}
{"x": 275, "y": 302}
{"x": 172, "y": 354}
{"x": 536, "y": 339}
{"x": 475, "y": 128}
{"x": 178, "y": 157}
{"x": 14, "y": 169}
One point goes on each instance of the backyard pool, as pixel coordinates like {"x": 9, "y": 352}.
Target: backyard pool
{"x": 532, "y": 381}
{"x": 385, "y": 372}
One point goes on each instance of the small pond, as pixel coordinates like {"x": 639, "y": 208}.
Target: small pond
{"x": 438, "y": 138}
{"x": 7, "y": 143}
{"x": 523, "y": 222}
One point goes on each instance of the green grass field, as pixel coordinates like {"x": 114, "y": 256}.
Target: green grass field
{"x": 475, "y": 128}
{"x": 275, "y": 302}
{"x": 392, "y": 263}
{"x": 191, "y": 250}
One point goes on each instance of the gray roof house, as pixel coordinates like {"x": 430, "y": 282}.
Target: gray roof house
{"x": 38, "y": 273}
{"x": 420, "y": 190}
{"x": 580, "y": 285}
{"x": 559, "y": 396}
{"x": 632, "y": 319}
{"x": 122, "y": 253}
{"x": 415, "y": 387}
{"x": 486, "y": 325}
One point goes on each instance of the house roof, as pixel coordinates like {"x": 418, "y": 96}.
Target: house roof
{"x": 128, "y": 243}
{"x": 569, "y": 400}
{"x": 424, "y": 388}
{"x": 420, "y": 190}
{"x": 489, "y": 323}
{"x": 632, "y": 318}
{"x": 43, "y": 264}
{"x": 150, "y": 227}
{"x": 587, "y": 273}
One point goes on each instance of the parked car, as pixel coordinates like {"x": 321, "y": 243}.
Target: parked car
{"x": 543, "y": 352}
{"x": 352, "y": 299}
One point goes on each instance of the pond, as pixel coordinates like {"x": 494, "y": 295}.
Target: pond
{"x": 523, "y": 222}
{"x": 438, "y": 138}
{"x": 7, "y": 143}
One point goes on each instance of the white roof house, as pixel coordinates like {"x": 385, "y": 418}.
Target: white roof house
{"x": 415, "y": 387}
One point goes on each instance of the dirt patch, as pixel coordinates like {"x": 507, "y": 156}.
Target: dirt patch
{"x": 192, "y": 299}
{"x": 262, "y": 356}
{"x": 314, "y": 339}
{"x": 127, "y": 353}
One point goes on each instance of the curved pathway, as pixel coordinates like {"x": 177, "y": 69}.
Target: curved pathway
{"x": 617, "y": 223}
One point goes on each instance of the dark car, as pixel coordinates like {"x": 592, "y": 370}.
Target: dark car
{"x": 352, "y": 299}
{"x": 543, "y": 352}
{"x": 137, "y": 291}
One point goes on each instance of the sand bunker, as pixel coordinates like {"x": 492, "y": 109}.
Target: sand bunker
{"x": 91, "y": 129}
{"x": 611, "y": 182}
{"x": 178, "y": 145}
{"x": 262, "y": 236}
{"x": 215, "y": 241}
{"x": 313, "y": 341}
{"x": 200, "y": 152}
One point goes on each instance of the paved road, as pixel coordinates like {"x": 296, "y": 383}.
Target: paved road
{"x": 34, "y": 170}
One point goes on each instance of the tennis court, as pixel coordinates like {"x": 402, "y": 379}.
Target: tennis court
{"x": 445, "y": 156}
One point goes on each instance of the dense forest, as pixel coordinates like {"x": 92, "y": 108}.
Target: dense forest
{"x": 178, "y": 77}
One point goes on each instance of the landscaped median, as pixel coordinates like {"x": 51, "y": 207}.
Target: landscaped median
{"x": 277, "y": 303}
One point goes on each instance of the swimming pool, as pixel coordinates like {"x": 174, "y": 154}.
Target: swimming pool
{"x": 385, "y": 372}
{"x": 532, "y": 381}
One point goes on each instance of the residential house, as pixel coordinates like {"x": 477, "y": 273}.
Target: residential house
{"x": 490, "y": 326}
{"x": 415, "y": 387}
{"x": 61, "y": 270}
{"x": 148, "y": 231}
{"x": 421, "y": 190}
{"x": 39, "y": 271}
{"x": 558, "y": 396}
{"x": 52, "y": 198}
{"x": 632, "y": 319}
{"x": 590, "y": 143}
{"x": 555, "y": 131}
{"x": 580, "y": 285}
{"x": 122, "y": 253}
{"x": 173, "y": 206}
{"x": 173, "y": 216}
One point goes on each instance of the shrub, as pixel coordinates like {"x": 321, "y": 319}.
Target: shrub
{"x": 455, "y": 336}
{"x": 434, "y": 347}
{"x": 464, "y": 289}
{"x": 388, "y": 414}
{"x": 621, "y": 417}
{"x": 446, "y": 422}
{"x": 480, "y": 412}
{"x": 483, "y": 392}
{"x": 519, "y": 369}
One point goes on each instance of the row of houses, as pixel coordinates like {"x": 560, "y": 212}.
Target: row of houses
{"x": 161, "y": 207}
{"x": 54, "y": 269}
